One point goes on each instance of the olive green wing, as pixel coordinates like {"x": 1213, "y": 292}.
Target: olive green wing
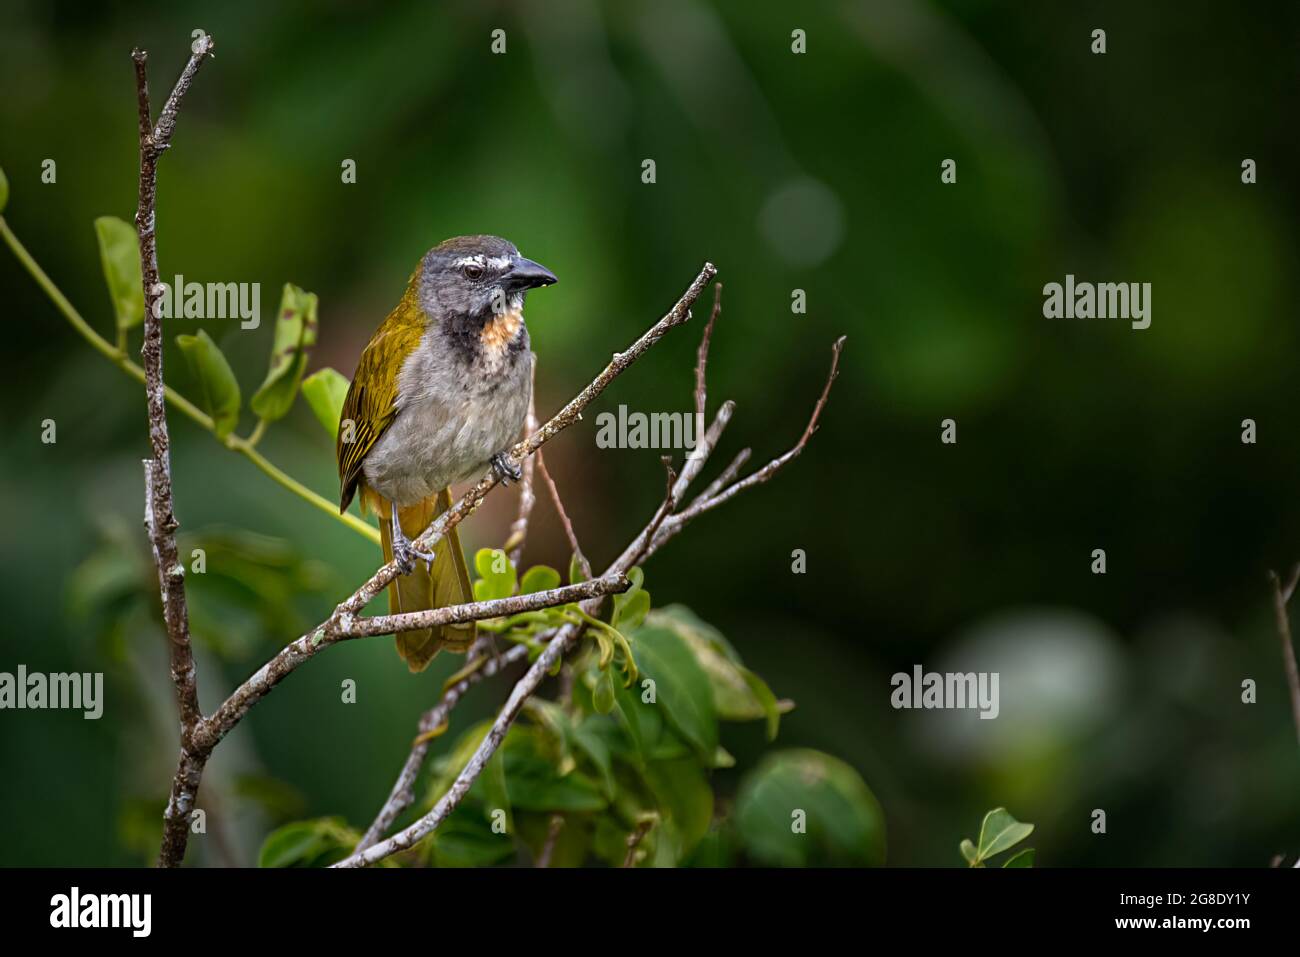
{"x": 371, "y": 403}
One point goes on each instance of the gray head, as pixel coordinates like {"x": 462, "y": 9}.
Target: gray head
{"x": 474, "y": 278}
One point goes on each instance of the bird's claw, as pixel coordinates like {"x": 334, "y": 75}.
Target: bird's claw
{"x": 405, "y": 554}
{"x": 505, "y": 469}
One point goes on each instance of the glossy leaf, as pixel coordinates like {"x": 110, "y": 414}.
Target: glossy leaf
{"x": 539, "y": 578}
{"x": 218, "y": 388}
{"x": 999, "y": 832}
{"x": 119, "y": 254}
{"x": 1023, "y": 858}
{"x": 295, "y": 334}
{"x": 738, "y": 693}
{"x": 496, "y": 575}
{"x": 682, "y": 688}
{"x": 316, "y": 843}
{"x": 325, "y": 389}
{"x": 842, "y": 820}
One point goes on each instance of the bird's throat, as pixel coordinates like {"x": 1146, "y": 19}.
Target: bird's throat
{"x": 499, "y": 332}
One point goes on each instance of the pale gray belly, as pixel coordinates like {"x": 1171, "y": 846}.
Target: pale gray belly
{"x": 451, "y": 423}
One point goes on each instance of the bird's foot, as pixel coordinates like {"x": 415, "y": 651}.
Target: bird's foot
{"x": 405, "y": 553}
{"x": 505, "y": 469}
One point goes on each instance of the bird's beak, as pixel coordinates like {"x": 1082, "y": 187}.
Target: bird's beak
{"x": 526, "y": 274}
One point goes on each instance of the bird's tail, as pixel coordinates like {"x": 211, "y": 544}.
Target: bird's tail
{"x": 447, "y": 583}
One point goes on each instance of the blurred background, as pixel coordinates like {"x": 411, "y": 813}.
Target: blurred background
{"x": 818, "y": 172}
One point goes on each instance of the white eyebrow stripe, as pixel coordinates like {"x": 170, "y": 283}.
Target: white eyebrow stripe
{"x": 499, "y": 262}
{"x": 469, "y": 261}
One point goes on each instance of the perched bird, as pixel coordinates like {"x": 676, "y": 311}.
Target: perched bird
{"x": 440, "y": 393}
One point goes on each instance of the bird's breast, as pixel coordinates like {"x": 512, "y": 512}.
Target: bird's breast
{"x": 454, "y": 413}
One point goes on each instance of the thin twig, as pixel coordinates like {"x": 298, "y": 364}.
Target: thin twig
{"x": 553, "y": 830}
{"x": 564, "y": 516}
{"x": 764, "y": 474}
{"x": 702, "y": 354}
{"x": 297, "y": 652}
{"x": 1281, "y": 597}
{"x": 635, "y": 838}
{"x": 160, "y": 514}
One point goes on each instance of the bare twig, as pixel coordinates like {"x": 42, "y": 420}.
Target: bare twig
{"x": 160, "y": 514}
{"x": 477, "y": 611}
{"x": 1281, "y": 597}
{"x": 635, "y": 838}
{"x": 311, "y": 644}
{"x": 564, "y": 516}
{"x": 702, "y": 354}
{"x": 553, "y": 830}
{"x": 764, "y": 474}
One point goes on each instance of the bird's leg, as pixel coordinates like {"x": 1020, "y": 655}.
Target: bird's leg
{"x": 505, "y": 469}
{"x": 404, "y": 552}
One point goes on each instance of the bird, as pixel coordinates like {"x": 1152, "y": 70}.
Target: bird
{"x": 440, "y": 393}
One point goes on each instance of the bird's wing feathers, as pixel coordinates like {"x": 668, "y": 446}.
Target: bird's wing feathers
{"x": 371, "y": 403}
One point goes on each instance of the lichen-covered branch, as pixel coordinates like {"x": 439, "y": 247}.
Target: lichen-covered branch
{"x": 160, "y": 513}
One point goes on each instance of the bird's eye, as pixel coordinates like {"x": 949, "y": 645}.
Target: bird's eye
{"x": 472, "y": 271}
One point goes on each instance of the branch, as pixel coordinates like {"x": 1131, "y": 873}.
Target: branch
{"x": 160, "y": 515}
{"x": 1281, "y": 597}
{"x": 661, "y": 528}
{"x": 297, "y": 652}
{"x": 707, "y": 502}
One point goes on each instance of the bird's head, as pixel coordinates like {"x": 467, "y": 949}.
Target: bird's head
{"x": 477, "y": 278}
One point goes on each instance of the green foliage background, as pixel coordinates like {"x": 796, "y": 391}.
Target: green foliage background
{"x": 817, "y": 172}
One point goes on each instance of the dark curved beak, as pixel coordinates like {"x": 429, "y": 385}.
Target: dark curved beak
{"x": 526, "y": 274}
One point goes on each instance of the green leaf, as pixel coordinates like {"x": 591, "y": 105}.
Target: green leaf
{"x": 4, "y": 190}
{"x": 317, "y": 843}
{"x": 844, "y": 824}
{"x": 575, "y": 571}
{"x": 119, "y": 253}
{"x": 295, "y": 334}
{"x": 466, "y": 839}
{"x": 682, "y": 688}
{"x": 325, "y": 389}
{"x": 592, "y": 737}
{"x": 539, "y": 578}
{"x": 738, "y": 693}
{"x": 602, "y": 695}
{"x": 968, "y": 851}
{"x": 1000, "y": 831}
{"x": 682, "y": 793}
{"x": 535, "y": 784}
{"x": 496, "y": 575}
{"x": 631, "y": 607}
{"x": 1023, "y": 858}
{"x": 218, "y": 387}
